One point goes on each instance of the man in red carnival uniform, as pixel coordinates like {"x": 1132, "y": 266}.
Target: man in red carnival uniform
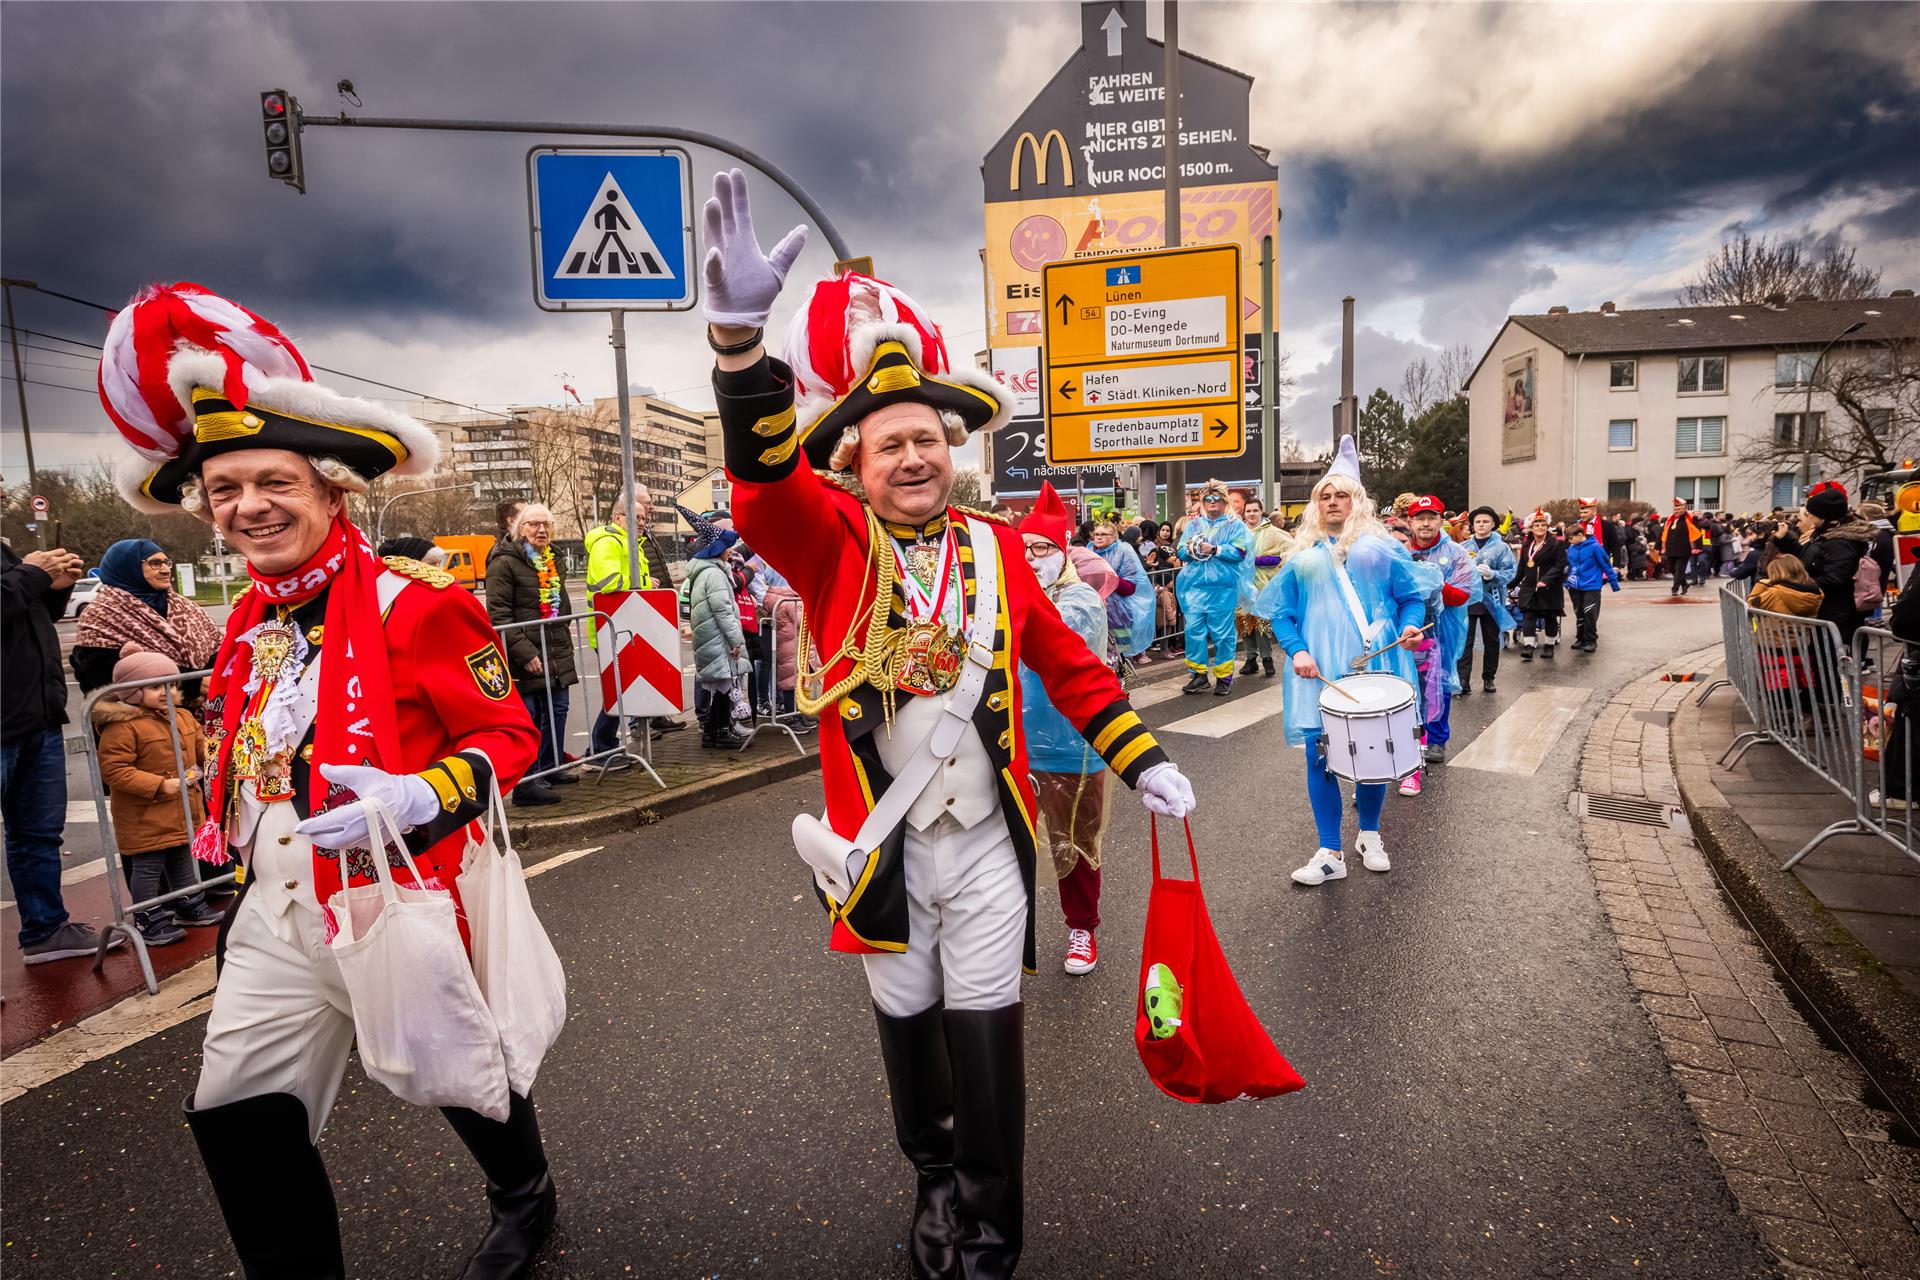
{"x": 923, "y": 612}
{"x": 340, "y": 678}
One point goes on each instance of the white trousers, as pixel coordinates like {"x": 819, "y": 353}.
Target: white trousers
{"x": 282, "y": 1021}
{"x": 967, "y": 918}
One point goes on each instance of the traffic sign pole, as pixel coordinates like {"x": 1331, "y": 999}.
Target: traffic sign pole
{"x": 1269, "y": 446}
{"x": 1170, "y": 76}
{"x": 619, "y": 341}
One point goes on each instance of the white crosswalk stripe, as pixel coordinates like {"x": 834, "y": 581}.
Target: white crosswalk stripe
{"x": 1230, "y": 717}
{"x": 1519, "y": 740}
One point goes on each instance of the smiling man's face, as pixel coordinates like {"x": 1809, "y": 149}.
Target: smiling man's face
{"x": 904, "y": 463}
{"x": 271, "y": 505}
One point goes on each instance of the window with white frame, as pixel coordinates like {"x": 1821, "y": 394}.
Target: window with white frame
{"x": 1623, "y": 375}
{"x": 1794, "y": 368}
{"x": 1699, "y": 437}
{"x": 1619, "y": 491}
{"x": 1622, "y": 435}
{"x": 1703, "y": 375}
{"x": 1797, "y": 430}
{"x": 1701, "y": 492}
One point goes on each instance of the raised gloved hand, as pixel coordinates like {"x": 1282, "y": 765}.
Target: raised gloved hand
{"x": 1485, "y": 570}
{"x": 408, "y": 795}
{"x": 741, "y": 281}
{"x": 1166, "y": 791}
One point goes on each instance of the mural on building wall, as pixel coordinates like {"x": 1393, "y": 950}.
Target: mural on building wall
{"x": 1517, "y": 436}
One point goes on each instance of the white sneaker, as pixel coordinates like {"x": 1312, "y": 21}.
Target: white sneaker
{"x": 1325, "y": 865}
{"x": 1373, "y": 854}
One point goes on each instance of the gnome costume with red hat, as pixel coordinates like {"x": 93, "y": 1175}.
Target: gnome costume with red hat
{"x": 340, "y": 678}
{"x": 924, "y": 611}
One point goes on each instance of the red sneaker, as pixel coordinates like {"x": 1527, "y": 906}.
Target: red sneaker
{"x": 1082, "y": 953}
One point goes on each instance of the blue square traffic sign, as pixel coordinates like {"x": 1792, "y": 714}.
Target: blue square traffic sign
{"x": 1124, "y": 275}
{"x": 612, "y": 228}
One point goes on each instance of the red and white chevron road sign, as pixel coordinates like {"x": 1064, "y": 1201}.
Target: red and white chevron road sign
{"x": 644, "y": 678}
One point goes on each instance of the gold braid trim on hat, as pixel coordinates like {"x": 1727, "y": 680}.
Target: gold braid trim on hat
{"x": 875, "y": 654}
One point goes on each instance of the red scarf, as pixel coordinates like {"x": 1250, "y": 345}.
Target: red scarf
{"x": 355, "y": 676}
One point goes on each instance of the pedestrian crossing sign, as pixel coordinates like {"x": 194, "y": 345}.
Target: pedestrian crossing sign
{"x": 612, "y": 228}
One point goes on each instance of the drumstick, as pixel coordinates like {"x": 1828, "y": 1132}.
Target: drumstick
{"x": 1337, "y": 689}
{"x": 1360, "y": 662}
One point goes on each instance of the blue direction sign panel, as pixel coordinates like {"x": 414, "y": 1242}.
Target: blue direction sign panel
{"x": 612, "y": 228}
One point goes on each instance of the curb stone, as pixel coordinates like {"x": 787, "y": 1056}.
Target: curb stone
{"x": 1809, "y": 1163}
{"x": 1868, "y": 1006}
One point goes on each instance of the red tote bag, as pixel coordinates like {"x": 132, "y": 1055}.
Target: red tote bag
{"x": 1219, "y": 1052}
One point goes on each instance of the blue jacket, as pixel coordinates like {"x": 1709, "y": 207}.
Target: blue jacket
{"x": 1588, "y": 566}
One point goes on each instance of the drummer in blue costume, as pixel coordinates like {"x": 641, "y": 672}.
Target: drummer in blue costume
{"x": 1459, "y": 591}
{"x": 1216, "y": 554}
{"x": 1347, "y": 589}
{"x": 1131, "y": 607}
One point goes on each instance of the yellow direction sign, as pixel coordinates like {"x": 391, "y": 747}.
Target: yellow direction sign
{"x": 1143, "y": 357}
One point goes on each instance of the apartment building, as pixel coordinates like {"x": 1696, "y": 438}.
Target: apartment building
{"x": 1650, "y": 405}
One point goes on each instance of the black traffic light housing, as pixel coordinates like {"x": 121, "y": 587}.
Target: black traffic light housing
{"x": 280, "y": 126}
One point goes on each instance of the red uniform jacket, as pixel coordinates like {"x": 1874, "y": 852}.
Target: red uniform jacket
{"x": 461, "y": 723}
{"x": 815, "y": 533}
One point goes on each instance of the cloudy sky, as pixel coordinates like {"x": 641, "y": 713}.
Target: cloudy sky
{"x": 1446, "y": 164}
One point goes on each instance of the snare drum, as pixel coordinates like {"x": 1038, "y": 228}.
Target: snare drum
{"x": 1373, "y": 731}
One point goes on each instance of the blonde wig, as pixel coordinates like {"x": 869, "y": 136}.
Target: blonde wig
{"x": 1363, "y": 520}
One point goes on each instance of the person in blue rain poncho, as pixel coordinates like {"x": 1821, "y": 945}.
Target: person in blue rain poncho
{"x": 1069, "y": 777}
{"x": 1216, "y": 556}
{"x": 1347, "y": 588}
{"x": 1426, "y": 521}
{"x": 1489, "y": 618}
{"x": 1130, "y": 608}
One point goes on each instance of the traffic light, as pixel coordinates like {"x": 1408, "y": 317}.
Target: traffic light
{"x": 280, "y": 125}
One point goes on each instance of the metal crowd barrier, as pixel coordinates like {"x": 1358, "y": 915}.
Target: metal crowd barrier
{"x": 774, "y": 719}
{"x": 119, "y": 892}
{"x": 1825, "y": 705}
{"x": 552, "y": 730}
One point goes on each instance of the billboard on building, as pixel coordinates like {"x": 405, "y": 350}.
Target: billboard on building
{"x": 1080, "y": 174}
{"x": 1518, "y": 438}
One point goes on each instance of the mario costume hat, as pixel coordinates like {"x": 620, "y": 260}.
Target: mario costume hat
{"x": 1049, "y": 518}
{"x": 187, "y": 375}
{"x": 858, "y": 345}
{"x": 1429, "y": 503}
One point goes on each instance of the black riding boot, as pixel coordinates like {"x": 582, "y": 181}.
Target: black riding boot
{"x": 519, "y": 1188}
{"x": 989, "y": 1136}
{"x": 273, "y": 1189}
{"x": 920, "y": 1078}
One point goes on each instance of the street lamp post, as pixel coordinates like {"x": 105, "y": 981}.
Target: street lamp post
{"x": 20, "y": 385}
{"x": 1806, "y": 414}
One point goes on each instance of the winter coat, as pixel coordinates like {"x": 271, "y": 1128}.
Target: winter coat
{"x": 1680, "y": 537}
{"x": 1543, "y": 574}
{"x": 136, "y": 757}
{"x": 1782, "y": 597}
{"x": 513, "y": 595}
{"x": 33, "y": 689}
{"x": 1832, "y": 556}
{"x": 1637, "y": 552}
{"x": 1588, "y": 568}
{"x": 716, "y": 623}
{"x": 786, "y": 630}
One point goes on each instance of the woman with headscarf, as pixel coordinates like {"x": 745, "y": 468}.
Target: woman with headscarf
{"x": 137, "y": 610}
{"x": 1069, "y": 777}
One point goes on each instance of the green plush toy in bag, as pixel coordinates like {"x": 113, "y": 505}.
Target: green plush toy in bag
{"x": 1163, "y": 1001}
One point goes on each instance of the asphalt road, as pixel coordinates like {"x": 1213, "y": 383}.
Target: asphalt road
{"x": 1484, "y": 1095}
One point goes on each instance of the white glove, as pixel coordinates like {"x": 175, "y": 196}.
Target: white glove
{"x": 408, "y": 795}
{"x": 1166, "y": 791}
{"x": 1486, "y": 571}
{"x": 741, "y": 281}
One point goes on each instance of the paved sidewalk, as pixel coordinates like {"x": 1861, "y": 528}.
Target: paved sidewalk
{"x": 1789, "y": 1119}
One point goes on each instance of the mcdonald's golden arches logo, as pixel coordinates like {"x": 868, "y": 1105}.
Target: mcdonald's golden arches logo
{"x": 1042, "y": 150}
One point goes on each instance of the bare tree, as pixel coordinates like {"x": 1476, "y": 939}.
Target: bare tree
{"x": 1870, "y": 398}
{"x": 1419, "y": 386}
{"x": 1746, "y": 270}
{"x": 1456, "y": 366}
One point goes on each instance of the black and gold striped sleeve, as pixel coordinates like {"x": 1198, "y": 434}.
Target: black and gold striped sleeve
{"x": 757, "y": 421}
{"x": 462, "y": 782}
{"x": 1123, "y": 742}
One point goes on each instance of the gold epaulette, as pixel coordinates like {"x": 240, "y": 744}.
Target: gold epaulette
{"x": 408, "y": 567}
{"x": 988, "y": 516}
{"x": 241, "y": 594}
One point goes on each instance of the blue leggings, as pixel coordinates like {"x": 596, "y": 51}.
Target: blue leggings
{"x": 1323, "y": 792}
